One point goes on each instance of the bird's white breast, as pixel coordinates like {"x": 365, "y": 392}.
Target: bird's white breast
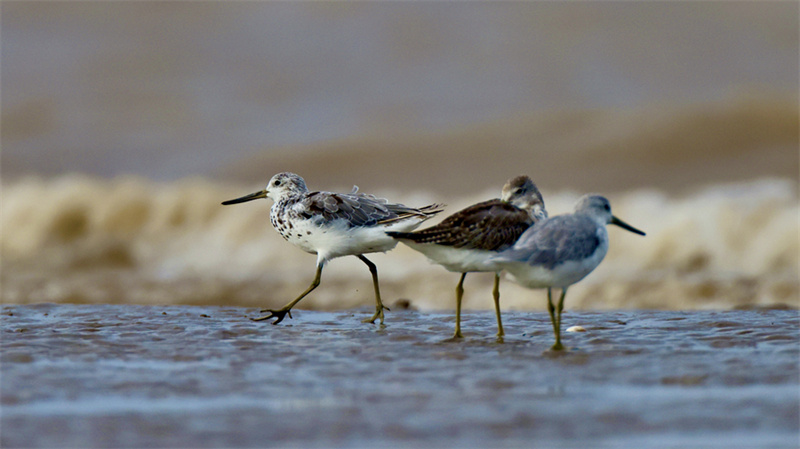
{"x": 562, "y": 274}
{"x": 337, "y": 238}
{"x": 457, "y": 260}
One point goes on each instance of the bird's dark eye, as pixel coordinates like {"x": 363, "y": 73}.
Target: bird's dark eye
{"x": 607, "y": 207}
{"x": 276, "y": 183}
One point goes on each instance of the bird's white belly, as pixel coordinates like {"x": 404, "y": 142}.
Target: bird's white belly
{"x": 457, "y": 260}
{"x": 561, "y": 275}
{"x": 337, "y": 239}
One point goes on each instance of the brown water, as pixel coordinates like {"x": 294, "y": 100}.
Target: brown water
{"x": 143, "y": 376}
{"x": 683, "y": 91}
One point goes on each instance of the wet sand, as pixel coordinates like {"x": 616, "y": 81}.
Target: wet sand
{"x": 178, "y": 376}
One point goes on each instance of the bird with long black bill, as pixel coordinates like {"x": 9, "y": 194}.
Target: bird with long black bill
{"x": 333, "y": 225}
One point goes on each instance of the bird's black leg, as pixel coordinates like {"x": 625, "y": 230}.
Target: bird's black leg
{"x": 379, "y": 307}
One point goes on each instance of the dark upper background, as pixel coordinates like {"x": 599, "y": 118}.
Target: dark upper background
{"x": 614, "y": 95}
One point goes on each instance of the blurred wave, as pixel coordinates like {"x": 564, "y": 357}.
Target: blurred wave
{"x": 78, "y": 239}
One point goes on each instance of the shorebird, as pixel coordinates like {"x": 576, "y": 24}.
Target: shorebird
{"x": 562, "y": 250}
{"x": 333, "y": 225}
{"x": 465, "y": 241}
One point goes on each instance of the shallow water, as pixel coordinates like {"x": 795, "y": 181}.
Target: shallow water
{"x": 135, "y": 376}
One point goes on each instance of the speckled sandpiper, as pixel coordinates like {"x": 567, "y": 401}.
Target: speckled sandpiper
{"x": 333, "y": 225}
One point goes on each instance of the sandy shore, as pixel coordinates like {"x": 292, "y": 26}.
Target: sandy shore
{"x": 139, "y": 376}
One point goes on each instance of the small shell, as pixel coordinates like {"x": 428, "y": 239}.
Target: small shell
{"x": 576, "y": 329}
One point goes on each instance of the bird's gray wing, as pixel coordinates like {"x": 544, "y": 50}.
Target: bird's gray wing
{"x": 491, "y": 225}
{"x": 360, "y": 209}
{"x": 555, "y": 241}
{"x": 357, "y": 210}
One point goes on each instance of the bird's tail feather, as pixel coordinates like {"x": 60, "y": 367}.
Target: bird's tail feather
{"x": 404, "y": 212}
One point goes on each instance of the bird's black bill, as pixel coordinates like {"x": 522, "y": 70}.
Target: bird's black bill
{"x": 621, "y": 224}
{"x": 246, "y": 198}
